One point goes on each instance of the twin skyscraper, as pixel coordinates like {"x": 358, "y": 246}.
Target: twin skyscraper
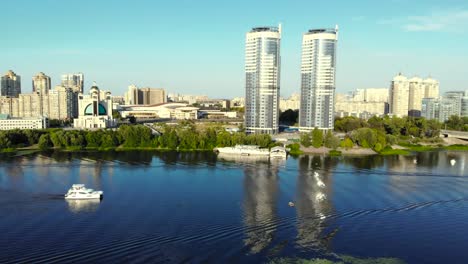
{"x": 262, "y": 79}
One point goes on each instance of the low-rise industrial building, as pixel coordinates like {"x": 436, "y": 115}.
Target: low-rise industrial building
{"x": 160, "y": 111}
{"x": 8, "y": 123}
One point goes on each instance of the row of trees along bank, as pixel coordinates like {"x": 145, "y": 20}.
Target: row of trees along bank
{"x": 376, "y": 133}
{"x": 184, "y": 136}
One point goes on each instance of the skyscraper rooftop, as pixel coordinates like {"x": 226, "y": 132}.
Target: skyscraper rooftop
{"x": 262, "y": 29}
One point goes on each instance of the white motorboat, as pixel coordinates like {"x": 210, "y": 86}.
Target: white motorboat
{"x": 278, "y": 152}
{"x": 80, "y": 192}
{"x": 244, "y": 150}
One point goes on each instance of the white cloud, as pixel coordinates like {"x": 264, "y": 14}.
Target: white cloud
{"x": 437, "y": 21}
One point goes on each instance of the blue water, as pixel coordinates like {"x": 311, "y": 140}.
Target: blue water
{"x": 196, "y": 207}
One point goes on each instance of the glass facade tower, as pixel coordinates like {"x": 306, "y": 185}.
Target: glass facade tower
{"x": 262, "y": 84}
{"x": 318, "y": 79}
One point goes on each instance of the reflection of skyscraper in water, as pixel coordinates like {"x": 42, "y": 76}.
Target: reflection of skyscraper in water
{"x": 14, "y": 170}
{"x": 91, "y": 170}
{"x": 404, "y": 164}
{"x": 312, "y": 204}
{"x": 260, "y": 197}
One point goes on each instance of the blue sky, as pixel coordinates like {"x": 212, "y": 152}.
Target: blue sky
{"x": 197, "y": 47}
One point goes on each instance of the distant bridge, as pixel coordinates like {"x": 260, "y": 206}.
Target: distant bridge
{"x": 454, "y": 134}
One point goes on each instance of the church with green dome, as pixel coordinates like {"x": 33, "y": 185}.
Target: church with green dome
{"x": 94, "y": 110}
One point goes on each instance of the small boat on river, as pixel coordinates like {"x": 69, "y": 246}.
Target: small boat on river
{"x": 278, "y": 152}
{"x": 244, "y": 150}
{"x": 80, "y": 192}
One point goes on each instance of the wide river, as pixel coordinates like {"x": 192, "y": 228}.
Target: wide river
{"x": 197, "y": 207}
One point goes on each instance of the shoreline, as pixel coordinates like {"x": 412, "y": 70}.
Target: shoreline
{"x": 395, "y": 150}
{"x": 354, "y": 151}
{"x": 358, "y": 151}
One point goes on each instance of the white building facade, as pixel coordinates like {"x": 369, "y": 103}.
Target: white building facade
{"x": 262, "y": 84}
{"x": 180, "y": 111}
{"x": 362, "y": 102}
{"x": 405, "y": 95}
{"x": 57, "y": 104}
{"x": 8, "y": 123}
{"x": 293, "y": 102}
{"x": 94, "y": 110}
{"x": 318, "y": 67}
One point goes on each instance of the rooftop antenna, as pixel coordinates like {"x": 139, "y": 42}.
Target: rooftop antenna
{"x": 279, "y": 28}
{"x": 94, "y": 83}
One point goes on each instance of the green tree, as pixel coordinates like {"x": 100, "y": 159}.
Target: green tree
{"x": 349, "y": 123}
{"x": 394, "y": 125}
{"x": 32, "y": 135}
{"x": 223, "y": 139}
{"x": 45, "y": 142}
{"x": 433, "y": 128}
{"x": 306, "y": 140}
{"x": 317, "y": 138}
{"x": 331, "y": 141}
{"x": 455, "y": 123}
{"x": 94, "y": 138}
{"x": 369, "y": 138}
{"x": 4, "y": 140}
{"x": 376, "y": 122}
{"x": 59, "y": 139}
{"x": 347, "y": 143}
{"x": 364, "y": 137}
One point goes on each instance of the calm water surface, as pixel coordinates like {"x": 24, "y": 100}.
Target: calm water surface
{"x": 196, "y": 207}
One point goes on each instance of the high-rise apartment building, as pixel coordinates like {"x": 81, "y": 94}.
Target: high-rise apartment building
{"x": 405, "y": 95}
{"x": 362, "y": 103}
{"x": 448, "y": 107}
{"x": 370, "y": 95}
{"x": 131, "y": 96}
{"x": 262, "y": 83}
{"x": 464, "y": 106}
{"x": 145, "y": 96}
{"x": 11, "y": 84}
{"x": 430, "y": 108}
{"x": 431, "y": 88}
{"x": 75, "y": 81}
{"x": 57, "y": 104}
{"x": 398, "y": 98}
{"x": 452, "y": 103}
{"x": 151, "y": 96}
{"x": 41, "y": 83}
{"x": 456, "y": 98}
{"x": 415, "y": 96}
{"x": 318, "y": 68}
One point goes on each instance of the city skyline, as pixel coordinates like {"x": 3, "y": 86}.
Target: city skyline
{"x": 166, "y": 42}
